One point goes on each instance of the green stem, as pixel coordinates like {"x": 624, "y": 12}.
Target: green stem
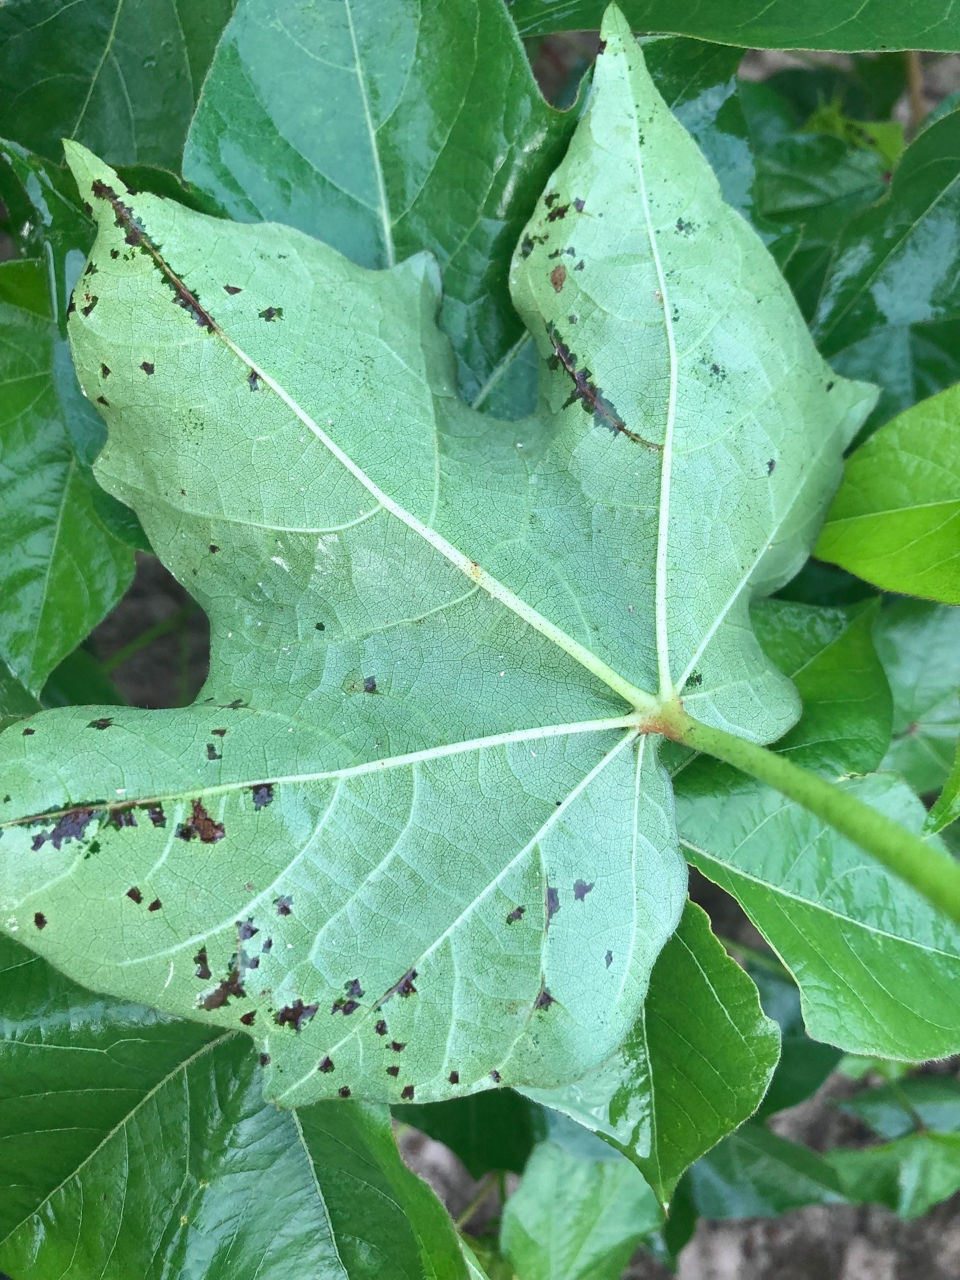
{"x": 924, "y": 867}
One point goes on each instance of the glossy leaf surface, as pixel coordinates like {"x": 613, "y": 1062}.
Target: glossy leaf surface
{"x": 918, "y": 645}
{"x": 121, "y": 78}
{"x": 135, "y": 1144}
{"x": 782, "y": 24}
{"x": 495, "y": 1130}
{"x": 61, "y": 567}
{"x": 413, "y": 126}
{"x": 896, "y": 518}
{"x": 696, "y": 1064}
{"x": 389, "y": 651}
{"x": 875, "y": 964}
{"x": 889, "y": 309}
{"x": 574, "y": 1218}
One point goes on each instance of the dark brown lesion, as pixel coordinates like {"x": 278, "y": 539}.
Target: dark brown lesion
{"x": 586, "y": 391}
{"x": 135, "y": 235}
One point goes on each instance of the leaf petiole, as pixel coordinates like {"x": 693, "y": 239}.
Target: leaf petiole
{"x": 926, "y": 868}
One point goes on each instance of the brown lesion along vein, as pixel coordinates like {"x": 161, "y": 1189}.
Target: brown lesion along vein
{"x": 586, "y": 391}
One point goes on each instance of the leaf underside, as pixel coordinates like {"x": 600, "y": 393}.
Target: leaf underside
{"x": 411, "y": 836}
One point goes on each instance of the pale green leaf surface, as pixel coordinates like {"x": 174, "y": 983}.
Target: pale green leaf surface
{"x": 694, "y": 1066}
{"x": 574, "y": 1218}
{"x": 919, "y": 644}
{"x": 415, "y": 125}
{"x": 894, "y": 1110}
{"x": 94, "y": 1091}
{"x": 896, "y": 517}
{"x": 61, "y": 568}
{"x": 876, "y": 965}
{"x": 437, "y": 687}
{"x": 774, "y": 24}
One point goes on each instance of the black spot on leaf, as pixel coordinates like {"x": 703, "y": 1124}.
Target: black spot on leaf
{"x": 219, "y": 733}
{"x": 246, "y": 929}
{"x": 103, "y": 723}
{"x": 104, "y": 371}
{"x": 264, "y": 1059}
{"x": 553, "y": 902}
{"x": 393, "y": 1071}
{"x": 213, "y": 548}
{"x": 407, "y": 1093}
{"x": 40, "y": 920}
{"x": 121, "y": 818}
{"x": 608, "y": 959}
{"x": 200, "y": 960}
{"x": 544, "y": 1000}
{"x": 580, "y": 889}
{"x": 578, "y": 205}
{"x": 326, "y": 1065}
{"x": 295, "y": 1014}
{"x": 495, "y": 1077}
{"x": 247, "y": 1018}
{"x": 70, "y": 826}
{"x": 200, "y": 825}
{"x": 284, "y": 905}
{"x": 93, "y": 300}
{"x": 559, "y": 212}
{"x": 212, "y": 752}
{"x": 156, "y": 815}
{"x": 344, "y": 1091}
{"x": 319, "y": 626}
{"x": 369, "y": 684}
{"x": 271, "y": 313}
{"x": 771, "y": 466}
{"x": 155, "y": 905}
{"x": 262, "y": 794}
{"x": 515, "y": 915}
{"x": 230, "y": 986}
{"x": 28, "y": 733}
{"x": 404, "y": 987}
{"x": 232, "y": 289}
{"x": 454, "y": 1077}
{"x": 397, "y": 1046}
{"x": 381, "y": 1028}
{"x": 147, "y": 367}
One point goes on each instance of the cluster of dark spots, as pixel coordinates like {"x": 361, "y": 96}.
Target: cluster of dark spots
{"x": 246, "y": 929}
{"x": 230, "y": 986}
{"x": 271, "y": 313}
{"x": 369, "y": 684}
{"x": 319, "y": 626}
{"x": 121, "y": 818}
{"x": 284, "y": 905}
{"x": 771, "y": 466}
{"x": 553, "y": 902}
{"x": 155, "y": 905}
{"x": 247, "y": 1018}
{"x": 557, "y": 277}
{"x": 404, "y": 987}
{"x": 717, "y": 371}
{"x": 200, "y": 825}
{"x": 28, "y": 733}
{"x": 586, "y": 391}
{"x": 407, "y": 1092}
{"x": 92, "y": 301}
{"x": 147, "y": 367}
{"x": 212, "y": 752}
{"x": 325, "y": 1065}
{"x": 515, "y": 915}
{"x": 608, "y": 959}
{"x": 345, "y": 1006}
{"x": 393, "y": 1071}
{"x": 529, "y": 243}
{"x": 70, "y": 826}
{"x": 685, "y": 228}
{"x": 40, "y": 920}
{"x": 381, "y": 1027}
{"x": 104, "y": 371}
{"x": 135, "y": 895}
{"x": 200, "y": 960}
{"x": 156, "y": 815}
{"x": 344, "y": 1091}
{"x": 264, "y": 1059}
{"x": 454, "y": 1077}
{"x": 232, "y": 289}
{"x": 694, "y": 680}
{"x": 495, "y": 1077}
{"x": 104, "y": 401}
{"x": 253, "y": 380}
{"x": 295, "y": 1014}
{"x": 581, "y": 889}
{"x": 544, "y": 1000}
{"x": 559, "y": 212}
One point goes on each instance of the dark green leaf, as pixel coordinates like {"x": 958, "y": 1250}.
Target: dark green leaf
{"x": 121, "y": 78}
{"x": 896, "y": 518}
{"x": 575, "y": 1218}
{"x": 695, "y": 1065}
{"x": 495, "y": 1130}
{"x": 137, "y": 1145}
{"x": 416, "y": 125}
{"x": 918, "y": 645}
{"x": 804, "y": 1063}
{"x": 775, "y": 24}
{"x": 909, "y": 1175}
{"x": 896, "y": 1109}
{"x": 61, "y": 568}
{"x": 756, "y": 1174}
{"x": 946, "y": 810}
{"x": 890, "y": 306}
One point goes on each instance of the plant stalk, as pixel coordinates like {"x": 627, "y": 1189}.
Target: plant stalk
{"x": 929, "y": 870}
